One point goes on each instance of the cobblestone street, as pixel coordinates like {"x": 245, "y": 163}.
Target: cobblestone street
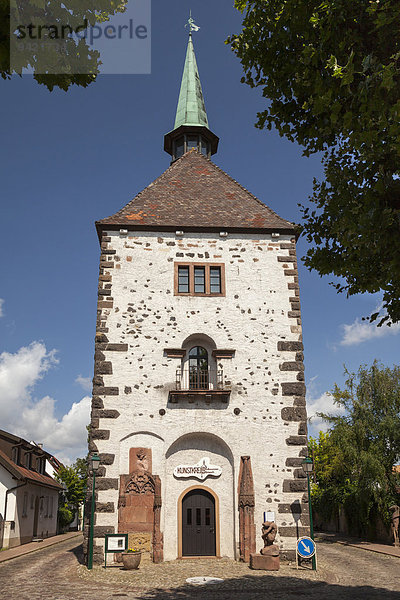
{"x": 55, "y": 573}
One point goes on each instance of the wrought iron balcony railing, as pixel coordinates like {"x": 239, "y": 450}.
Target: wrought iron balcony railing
{"x": 196, "y": 382}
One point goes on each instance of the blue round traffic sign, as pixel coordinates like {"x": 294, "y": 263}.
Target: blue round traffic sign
{"x": 305, "y": 547}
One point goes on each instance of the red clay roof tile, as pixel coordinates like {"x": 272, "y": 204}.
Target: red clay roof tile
{"x": 194, "y": 193}
{"x": 22, "y": 473}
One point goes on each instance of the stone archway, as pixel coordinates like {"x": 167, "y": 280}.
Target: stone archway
{"x": 191, "y": 449}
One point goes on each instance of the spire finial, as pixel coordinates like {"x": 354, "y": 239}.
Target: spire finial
{"x": 191, "y": 24}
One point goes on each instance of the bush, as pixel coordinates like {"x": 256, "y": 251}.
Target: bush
{"x": 65, "y": 516}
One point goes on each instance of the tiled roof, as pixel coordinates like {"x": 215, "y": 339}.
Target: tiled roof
{"x": 21, "y": 473}
{"x": 194, "y": 193}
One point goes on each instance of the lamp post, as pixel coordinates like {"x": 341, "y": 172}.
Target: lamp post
{"x": 308, "y": 466}
{"x": 94, "y": 462}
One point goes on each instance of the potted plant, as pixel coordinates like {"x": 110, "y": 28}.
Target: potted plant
{"x": 131, "y": 558}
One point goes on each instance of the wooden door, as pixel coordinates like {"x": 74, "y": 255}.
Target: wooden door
{"x": 198, "y": 524}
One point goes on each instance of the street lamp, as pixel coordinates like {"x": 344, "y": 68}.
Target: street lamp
{"x": 94, "y": 462}
{"x": 308, "y": 466}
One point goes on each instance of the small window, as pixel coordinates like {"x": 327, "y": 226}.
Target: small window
{"x": 189, "y": 516}
{"x": 28, "y": 460}
{"x": 208, "y": 516}
{"x": 15, "y": 455}
{"x": 179, "y": 147}
{"x": 32, "y": 502}
{"x": 198, "y": 516}
{"x": 215, "y": 280}
{"x": 205, "y": 147}
{"x": 192, "y": 141}
{"x": 41, "y": 465}
{"x": 183, "y": 280}
{"x": 199, "y": 279}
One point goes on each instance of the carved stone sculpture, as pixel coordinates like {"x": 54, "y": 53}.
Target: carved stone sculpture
{"x": 395, "y": 510}
{"x": 268, "y": 559}
{"x": 268, "y": 534}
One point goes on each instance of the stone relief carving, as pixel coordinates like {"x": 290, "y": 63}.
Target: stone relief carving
{"x": 140, "y": 482}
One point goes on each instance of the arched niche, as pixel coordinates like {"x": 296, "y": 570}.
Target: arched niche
{"x": 202, "y": 441}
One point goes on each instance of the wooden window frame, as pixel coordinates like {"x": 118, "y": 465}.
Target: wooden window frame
{"x": 191, "y": 291}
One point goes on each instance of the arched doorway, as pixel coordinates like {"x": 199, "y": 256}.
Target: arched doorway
{"x": 198, "y": 523}
{"x": 198, "y": 368}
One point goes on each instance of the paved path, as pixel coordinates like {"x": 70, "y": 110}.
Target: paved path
{"x": 371, "y": 546}
{"x": 345, "y": 572}
{"x": 35, "y": 546}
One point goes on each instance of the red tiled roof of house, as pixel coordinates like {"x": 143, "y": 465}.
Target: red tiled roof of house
{"x": 22, "y": 473}
{"x": 193, "y": 193}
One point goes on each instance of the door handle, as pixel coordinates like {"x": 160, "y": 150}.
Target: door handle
{"x": 198, "y": 531}
{"x": 211, "y": 529}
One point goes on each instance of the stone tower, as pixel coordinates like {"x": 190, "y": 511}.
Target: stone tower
{"x": 198, "y": 410}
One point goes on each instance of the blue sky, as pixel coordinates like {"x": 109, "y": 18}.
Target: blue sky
{"x": 71, "y": 158}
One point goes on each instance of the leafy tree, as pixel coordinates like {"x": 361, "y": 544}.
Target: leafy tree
{"x": 75, "y": 478}
{"x": 354, "y": 460}
{"x": 73, "y": 62}
{"x": 330, "y": 73}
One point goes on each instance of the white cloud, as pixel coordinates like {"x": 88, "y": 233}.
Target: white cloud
{"x": 84, "y": 382}
{"x": 1, "y": 307}
{"x": 32, "y": 418}
{"x": 319, "y": 403}
{"x": 363, "y": 331}
{"x": 324, "y": 403}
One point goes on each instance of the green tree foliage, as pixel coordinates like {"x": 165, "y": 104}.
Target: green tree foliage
{"x": 75, "y": 478}
{"x": 330, "y": 73}
{"x": 65, "y": 517}
{"x": 354, "y": 459}
{"x": 72, "y": 63}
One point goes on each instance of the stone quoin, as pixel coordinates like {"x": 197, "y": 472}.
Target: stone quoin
{"x": 198, "y": 360}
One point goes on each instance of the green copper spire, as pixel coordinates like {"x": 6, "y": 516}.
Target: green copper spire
{"x": 191, "y": 108}
{"x": 191, "y": 124}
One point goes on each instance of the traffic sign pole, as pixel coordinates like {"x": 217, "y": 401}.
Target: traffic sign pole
{"x": 314, "y": 563}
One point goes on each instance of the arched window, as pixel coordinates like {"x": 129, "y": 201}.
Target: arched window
{"x": 198, "y": 368}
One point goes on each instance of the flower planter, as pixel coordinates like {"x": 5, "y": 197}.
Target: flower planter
{"x": 131, "y": 560}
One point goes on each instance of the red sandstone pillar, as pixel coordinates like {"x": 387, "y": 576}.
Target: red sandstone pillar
{"x": 247, "y": 532}
{"x": 157, "y": 535}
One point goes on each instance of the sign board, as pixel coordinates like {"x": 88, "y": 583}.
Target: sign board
{"x": 269, "y": 516}
{"x": 116, "y": 542}
{"x": 305, "y": 547}
{"x": 201, "y": 470}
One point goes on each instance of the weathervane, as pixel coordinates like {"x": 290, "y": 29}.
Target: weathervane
{"x": 192, "y": 25}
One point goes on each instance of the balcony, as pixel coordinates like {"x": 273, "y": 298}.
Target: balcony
{"x": 200, "y": 384}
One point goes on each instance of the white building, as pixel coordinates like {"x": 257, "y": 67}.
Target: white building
{"x": 199, "y": 399}
{"x": 28, "y": 494}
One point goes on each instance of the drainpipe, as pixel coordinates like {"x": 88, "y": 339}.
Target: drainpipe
{"x": 6, "y": 501}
